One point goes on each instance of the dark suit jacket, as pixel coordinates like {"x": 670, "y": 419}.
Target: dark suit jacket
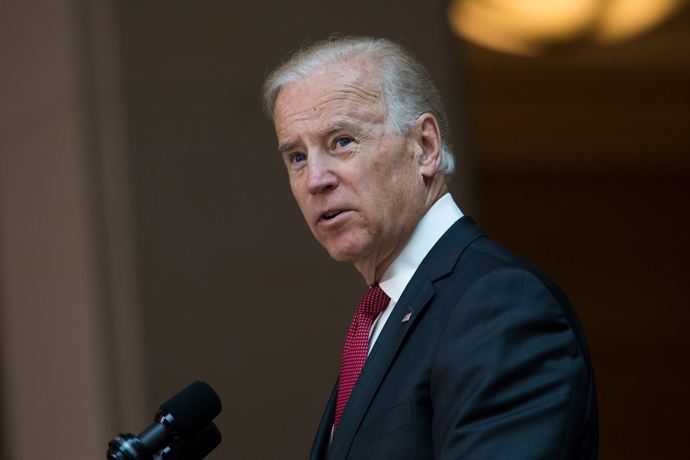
{"x": 491, "y": 365}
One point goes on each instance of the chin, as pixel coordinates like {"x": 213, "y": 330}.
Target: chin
{"x": 348, "y": 252}
{"x": 342, "y": 256}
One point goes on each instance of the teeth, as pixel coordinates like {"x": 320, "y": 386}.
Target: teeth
{"x": 331, "y": 214}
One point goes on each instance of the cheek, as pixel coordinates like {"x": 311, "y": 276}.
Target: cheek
{"x": 300, "y": 194}
{"x": 405, "y": 191}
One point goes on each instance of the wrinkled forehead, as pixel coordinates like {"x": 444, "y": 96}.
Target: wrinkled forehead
{"x": 350, "y": 83}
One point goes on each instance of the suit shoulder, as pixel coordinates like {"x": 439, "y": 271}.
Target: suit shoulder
{"x": 484, "y": 260}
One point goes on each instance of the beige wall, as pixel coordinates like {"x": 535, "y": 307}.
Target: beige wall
{"x": 66, "y": 277}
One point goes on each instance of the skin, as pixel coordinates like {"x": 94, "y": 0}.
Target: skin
{"x": 343, "y": 158}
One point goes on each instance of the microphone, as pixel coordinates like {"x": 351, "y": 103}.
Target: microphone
{"x": 196, "y": 448}
{"x": 177, "y": 419}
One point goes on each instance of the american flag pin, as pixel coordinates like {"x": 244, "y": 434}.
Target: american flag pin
{"x": 406, "y": 318}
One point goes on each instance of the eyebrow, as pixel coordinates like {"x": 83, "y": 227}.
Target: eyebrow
{"x": 282, "y": 148}
{"x": 345, "y": 126}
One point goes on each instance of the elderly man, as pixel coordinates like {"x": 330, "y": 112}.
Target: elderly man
{"x": 460, "y": 349}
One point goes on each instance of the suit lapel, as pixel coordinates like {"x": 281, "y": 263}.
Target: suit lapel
{"x": 374, "y": 370}
{"x": 419, "y": 291}
{"x": 323, "y": 433}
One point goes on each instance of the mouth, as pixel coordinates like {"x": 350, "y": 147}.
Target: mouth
{"x": 330, "y": 215}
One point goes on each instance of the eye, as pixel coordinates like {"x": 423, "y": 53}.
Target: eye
{"x": 297, "y": 158}
{"x": 343, "y": 142}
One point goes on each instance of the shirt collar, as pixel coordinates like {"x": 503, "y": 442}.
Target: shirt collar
{"x": 438, "y": 219}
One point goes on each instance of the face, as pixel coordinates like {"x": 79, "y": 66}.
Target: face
{"x": 357, "y": 182}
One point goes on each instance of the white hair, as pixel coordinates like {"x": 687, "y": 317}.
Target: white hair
{"x": 405, "y": 85}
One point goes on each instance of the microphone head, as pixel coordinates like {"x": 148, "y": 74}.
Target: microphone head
{"x": 192, "y": 408}
{"x": 197, "y": 447}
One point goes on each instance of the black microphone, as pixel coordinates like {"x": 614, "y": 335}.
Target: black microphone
{"x": 195, "y": 448}
{"x": 177, "y": 419}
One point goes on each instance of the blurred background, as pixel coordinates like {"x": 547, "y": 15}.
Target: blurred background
{"x": 148, "y": 236}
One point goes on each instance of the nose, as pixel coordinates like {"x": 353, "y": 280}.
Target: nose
{"x": 320, "y": 174}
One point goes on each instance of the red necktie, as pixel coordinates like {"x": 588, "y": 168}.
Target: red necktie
{"x": 357, "y": 344}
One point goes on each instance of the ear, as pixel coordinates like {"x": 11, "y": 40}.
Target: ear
{"x": 428, "y": 144}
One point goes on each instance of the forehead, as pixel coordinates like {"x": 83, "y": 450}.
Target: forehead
{"x": 347, "y": 90}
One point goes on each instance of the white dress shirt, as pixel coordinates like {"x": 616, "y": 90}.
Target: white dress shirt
{"x": 440, "y": 217}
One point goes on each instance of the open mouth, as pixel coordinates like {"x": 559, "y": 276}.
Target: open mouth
{"x": 331, "y": 214}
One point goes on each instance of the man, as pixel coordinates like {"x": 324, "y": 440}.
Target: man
{"x": 476, "y": 354}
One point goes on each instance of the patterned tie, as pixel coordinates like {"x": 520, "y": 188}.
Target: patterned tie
{"x": 357, "y": 344}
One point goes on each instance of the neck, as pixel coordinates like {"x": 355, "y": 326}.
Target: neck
{"x": 372, "y": 272}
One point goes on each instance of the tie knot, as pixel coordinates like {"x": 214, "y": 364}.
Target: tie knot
{"x": 373, "y": 302}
